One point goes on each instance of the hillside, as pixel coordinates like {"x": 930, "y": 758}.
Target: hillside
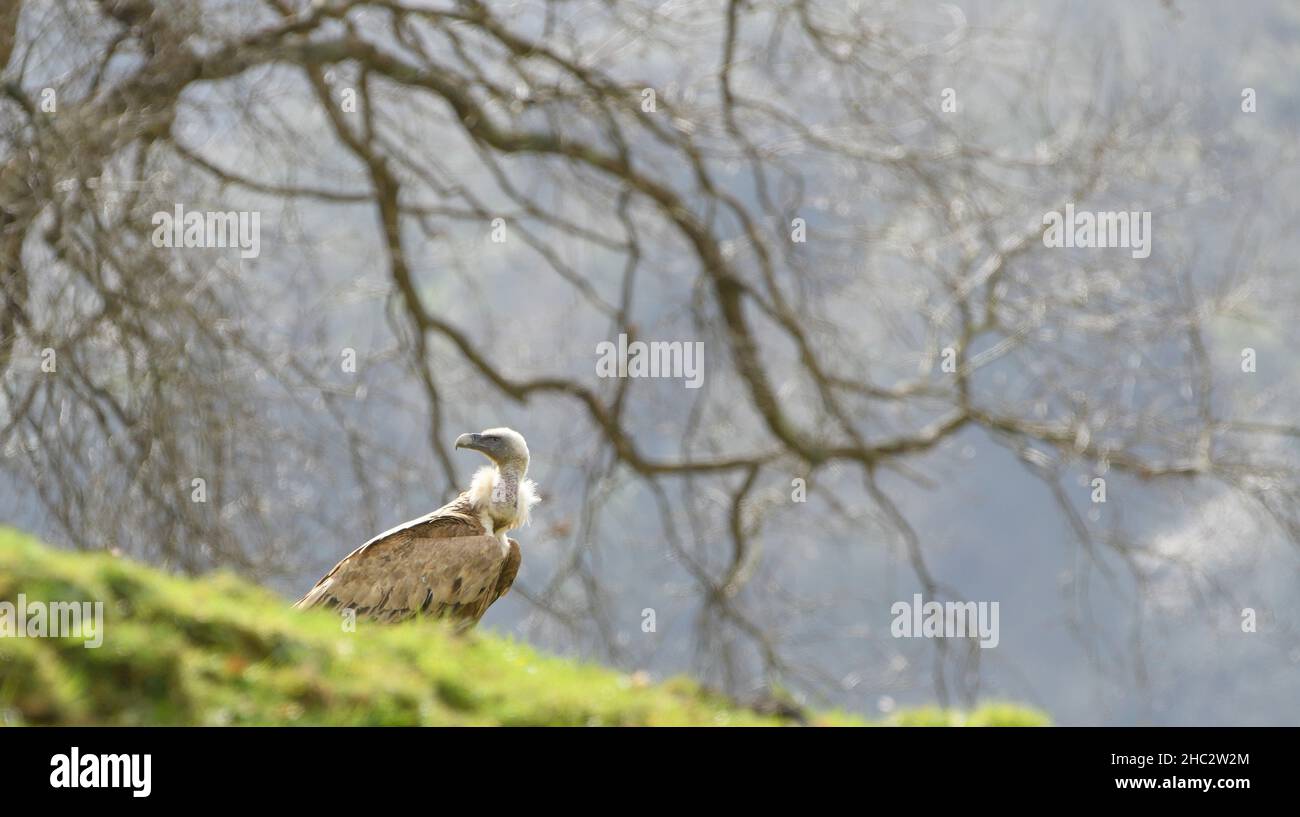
{"x": 220, "y": 650}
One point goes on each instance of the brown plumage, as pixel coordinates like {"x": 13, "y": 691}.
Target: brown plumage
{"x": 454, "y": 562}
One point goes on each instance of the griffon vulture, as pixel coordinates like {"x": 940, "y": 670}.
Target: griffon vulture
{"x": 454, "y": 562}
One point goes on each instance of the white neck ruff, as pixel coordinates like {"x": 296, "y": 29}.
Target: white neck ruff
{"x": 506, "y": 515}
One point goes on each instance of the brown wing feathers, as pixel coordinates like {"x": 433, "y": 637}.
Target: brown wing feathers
{"x": 442, "y": 564}
{"x": 509, "y": 570}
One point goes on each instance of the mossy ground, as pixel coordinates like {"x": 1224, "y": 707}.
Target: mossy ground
{"x": 219, "y": 650}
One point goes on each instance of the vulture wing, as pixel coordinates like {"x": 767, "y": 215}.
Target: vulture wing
{"x": 442, "y": 564}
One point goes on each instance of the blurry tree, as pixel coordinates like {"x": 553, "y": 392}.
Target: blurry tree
{"x": 824, "y": 197}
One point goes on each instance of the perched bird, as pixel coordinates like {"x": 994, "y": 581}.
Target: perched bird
{"x": 454, "y": 562}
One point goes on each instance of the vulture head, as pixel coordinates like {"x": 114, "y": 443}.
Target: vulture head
{"x": 504, "y": 446}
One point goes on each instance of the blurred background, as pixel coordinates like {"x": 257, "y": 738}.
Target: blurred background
{"x": 459, "y": 200}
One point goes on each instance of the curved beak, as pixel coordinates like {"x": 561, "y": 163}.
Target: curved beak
{"x": 471, "y": 441}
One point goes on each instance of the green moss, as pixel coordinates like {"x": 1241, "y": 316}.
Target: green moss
{"x": 220, "y": 650}
{"x": 991, "y": 714}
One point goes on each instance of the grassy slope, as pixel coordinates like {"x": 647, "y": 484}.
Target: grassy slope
{"x": 222, "y": 651}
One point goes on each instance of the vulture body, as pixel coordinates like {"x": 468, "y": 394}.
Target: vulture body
{"x": 454, "y": 562}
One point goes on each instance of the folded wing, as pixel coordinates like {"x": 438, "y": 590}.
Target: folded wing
{"x": 443, "y": 564}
